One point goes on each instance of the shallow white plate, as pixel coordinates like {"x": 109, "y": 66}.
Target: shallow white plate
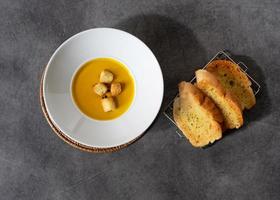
{"x": 85, "y": 46}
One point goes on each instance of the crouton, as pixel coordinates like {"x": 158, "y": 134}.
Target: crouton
{"x": 106, "y": 76}
{"x": 108, "y": 104}
{"x": 116, "y": 89}
{"x": 100, "y": 89}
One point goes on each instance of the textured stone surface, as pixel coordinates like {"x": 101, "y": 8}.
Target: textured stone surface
{"x": 36, "y": 164}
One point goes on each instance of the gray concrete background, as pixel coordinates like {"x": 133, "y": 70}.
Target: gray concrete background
{"x": 36, "y": 164}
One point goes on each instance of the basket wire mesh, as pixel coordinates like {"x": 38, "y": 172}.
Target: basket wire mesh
{"x": 221, "y": 55}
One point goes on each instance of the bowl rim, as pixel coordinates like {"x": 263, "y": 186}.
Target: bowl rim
{"x": 65, "y": 136}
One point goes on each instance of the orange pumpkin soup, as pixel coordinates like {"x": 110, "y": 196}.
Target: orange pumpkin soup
{"x": 89, "y": 75}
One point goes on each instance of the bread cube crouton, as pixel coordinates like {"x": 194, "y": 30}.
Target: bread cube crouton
{"x": 108, "y": 104}
{"x": 116, "y": 89}
{"x": 100, "y": 89}
{"x": 106, "y": 76}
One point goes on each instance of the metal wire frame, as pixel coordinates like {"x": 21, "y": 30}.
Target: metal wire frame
{"x": 221, "y": 55}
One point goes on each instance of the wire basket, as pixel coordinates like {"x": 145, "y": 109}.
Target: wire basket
{"x": 221, "y": 55}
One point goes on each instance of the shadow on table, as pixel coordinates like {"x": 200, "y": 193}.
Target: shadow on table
{"x": 263, "y": 105}
{"x": 180, "y": 54}
{"x": 175, "y": 46}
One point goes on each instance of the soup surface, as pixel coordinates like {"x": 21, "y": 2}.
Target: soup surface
{"x": 88, "y": 75}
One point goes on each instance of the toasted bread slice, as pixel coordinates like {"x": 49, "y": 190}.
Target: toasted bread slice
{"x": 224, "y": 100}
{"x": 234, "y": 80}
{"x": 197, "y": 116}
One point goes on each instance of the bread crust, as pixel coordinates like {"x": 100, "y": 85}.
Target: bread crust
{"x": 191, "y": 97}
{"x": 207, "y": 81}
{"x": 188, "y": 90}
{"x": 227, "y": 71}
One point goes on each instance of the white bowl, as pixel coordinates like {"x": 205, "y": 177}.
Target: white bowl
{"x": 85, "y": 46}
